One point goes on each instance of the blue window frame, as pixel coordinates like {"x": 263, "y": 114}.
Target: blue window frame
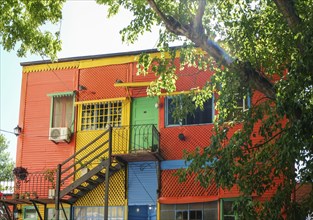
{"x": 199, "y": 116}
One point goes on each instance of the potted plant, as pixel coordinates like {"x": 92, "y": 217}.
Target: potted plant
{"x": 16, "y": 196}
{"x": 49, "y": 175}
{"x": 20, "y": 173}
{"x": 22, "y": 196}
{"x": 27, "y": 195}
{"x": 83, "y": 167}
{"x": 34, "y": 195}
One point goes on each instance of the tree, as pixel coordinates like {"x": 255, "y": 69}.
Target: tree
{"x": 260, "y": 49}
{"x": 6, "y": 163}
{"x": 22, "y": 24}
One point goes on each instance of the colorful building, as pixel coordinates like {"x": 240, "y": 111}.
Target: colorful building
{"x": 94, "y": 144}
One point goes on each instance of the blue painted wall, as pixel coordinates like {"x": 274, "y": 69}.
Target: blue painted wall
{"x": 142, "y": 183}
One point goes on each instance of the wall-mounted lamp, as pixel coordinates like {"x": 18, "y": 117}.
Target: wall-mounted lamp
{"x": 81, "y": 88}
{"x": 118, "y": 81}
{"x": 17, "y": 130}
{"x": 181, "y": 136}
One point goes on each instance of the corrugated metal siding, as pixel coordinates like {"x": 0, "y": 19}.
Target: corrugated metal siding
{"x": 35, "y": 143}
{"x": 99, "y": 82}
{"x": 173, "y": 190}
{"x": 172, "y": 147}
{"x": 142, "y": 183}
{"x": 191, "y": 77}
{"x": 116, "y": 193}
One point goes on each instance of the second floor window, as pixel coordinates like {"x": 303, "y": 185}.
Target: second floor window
{"x": 197, "y": 116}
{"x": 62, "y": 108}
{"x": 95, "y": 116}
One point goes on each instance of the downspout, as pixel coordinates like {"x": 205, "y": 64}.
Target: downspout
{"x": 107, "y": 177}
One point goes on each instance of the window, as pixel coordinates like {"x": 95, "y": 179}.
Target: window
{"x": 30, "y": 213}
{"x": 51, "y": 214}
{"x": 199, "y": 116}
{"x": 243, "y": 104}
{"x": 97, "y": 213}
{"x": 227, "y": 211}
{"x": 136, "y": 212}
{"x": 98, "y": 115}
{"x": 62, "y": 109}
{"x": 192, "y": 211}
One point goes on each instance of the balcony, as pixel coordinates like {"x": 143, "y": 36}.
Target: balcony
{"x": 34, "y": 188}
{"x": 142, "y": 142}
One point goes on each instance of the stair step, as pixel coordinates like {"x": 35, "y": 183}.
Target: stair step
{"x": 100, "y": 175}
{"x": 90, "y": 180}
{"x": 85, "y": 188}
{"x": 76, "y": 195}
{"x": 116, "y": 167}
{"x": 93, "y": 182}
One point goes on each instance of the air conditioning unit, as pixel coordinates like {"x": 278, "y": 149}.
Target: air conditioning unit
{"x": 62, "y": 134}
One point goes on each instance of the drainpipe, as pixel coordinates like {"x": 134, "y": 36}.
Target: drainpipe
{"x": 107, "y": 176}
{"x": 57, "y": 193}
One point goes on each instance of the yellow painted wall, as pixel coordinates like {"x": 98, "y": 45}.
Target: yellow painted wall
{"x": 120, "y": 145}
{"x": 116, "y": 193}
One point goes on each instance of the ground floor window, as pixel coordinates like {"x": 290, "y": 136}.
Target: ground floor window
{"x": 142, "y": 212}
{"x": 52, "y": 213}
{"x": 29, "y": 213}
{"x": 97, "y": 213}
{"x": 191, "y": 211}
{"x": 227, "y": 209}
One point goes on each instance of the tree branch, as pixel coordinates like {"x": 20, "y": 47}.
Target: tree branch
{"x": 200, "y": 39}
{"x": 197, "y": 21}
{"x": 287, "y": 8}
{"x": 268, "y": 140}
{"x": 171, "y": 23}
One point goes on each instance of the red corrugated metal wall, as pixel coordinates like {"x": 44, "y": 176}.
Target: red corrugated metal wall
{"x": 99, "y": 82}
{"x": 36, "y": 151}
{"x": 191, "y": 191}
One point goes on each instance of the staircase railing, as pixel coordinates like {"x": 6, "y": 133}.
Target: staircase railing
{"x": 87, "y": 156}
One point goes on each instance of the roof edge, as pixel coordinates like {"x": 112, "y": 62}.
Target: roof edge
{"x": 92, "y": 57}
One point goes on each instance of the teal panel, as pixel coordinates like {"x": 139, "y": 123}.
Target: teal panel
{"x": 144, "y": 115}
{"x": 144, "y": 111}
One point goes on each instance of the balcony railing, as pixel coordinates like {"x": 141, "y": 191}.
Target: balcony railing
{"x": 136, "y": 138}
{"x": 125, "y": 140}
{"x": 35, "y": 186}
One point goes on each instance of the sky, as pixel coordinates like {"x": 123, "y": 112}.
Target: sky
{"x": 85, "y": 30}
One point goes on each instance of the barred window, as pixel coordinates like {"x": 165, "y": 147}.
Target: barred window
{"x": 98, "y": 115}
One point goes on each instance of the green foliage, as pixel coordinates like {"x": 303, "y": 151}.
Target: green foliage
{"x": 22, "y": 23}
{"x": 6, "y": 163}
{"x": 273, "y": 139}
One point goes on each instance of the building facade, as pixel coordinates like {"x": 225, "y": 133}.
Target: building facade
{"x": 94, "y": 144}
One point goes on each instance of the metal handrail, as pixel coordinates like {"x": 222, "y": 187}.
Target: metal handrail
{"x": 144, "y": 137}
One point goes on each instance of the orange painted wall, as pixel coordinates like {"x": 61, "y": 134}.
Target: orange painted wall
{"x": 174, "y": 192}
{"x": 99, "y": 82}
{"x": 35, "y": 151}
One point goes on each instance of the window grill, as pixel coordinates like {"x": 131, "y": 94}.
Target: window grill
{"x": 96, "y": 116}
